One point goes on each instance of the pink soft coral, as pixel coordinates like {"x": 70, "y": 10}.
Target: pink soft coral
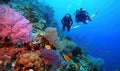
{"x": 14, "y": 25}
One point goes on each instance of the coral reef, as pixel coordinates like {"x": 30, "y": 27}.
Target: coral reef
{"x": 72, "y": 67}
{"x": 76, "y": 52}
{"x": 4, "y": 1}
{"x": 49, "y": 50}
{"x": 14, "y": 25}
{"x": 67, "y": 51}
{"x": 40, "y": 15}
{"x": 69, "y": 44}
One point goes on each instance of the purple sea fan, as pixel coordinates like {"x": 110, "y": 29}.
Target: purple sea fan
{"x": 14, "y": 25}
{"x": 51, "y": 57}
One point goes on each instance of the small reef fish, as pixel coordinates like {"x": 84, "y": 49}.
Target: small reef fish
{"x": 61, "y": 68}
{"x": 39, "y": 31}
{"x": 71, "y": 55}
{"x": 66, "y": 40}
{"x": 85, "y": 60}
{"x": 78, "y": 65}
{"x": 74, "y": 27}
{"x": 67, "y": 58}
{"x": 47, "y": 46}
{"x": 27, "y": 7}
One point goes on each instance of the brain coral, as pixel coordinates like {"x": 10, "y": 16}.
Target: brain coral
{"x": 14, "y": 25}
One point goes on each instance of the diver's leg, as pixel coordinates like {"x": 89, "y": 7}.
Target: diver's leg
{"x": 63, "y": 28}
{"x": 68, "y": 28}
{"x": 84, "y": 22}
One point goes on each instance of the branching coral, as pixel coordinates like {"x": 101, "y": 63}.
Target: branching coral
{"x": 14, "y": 25}
{"x": 51, "y": 57}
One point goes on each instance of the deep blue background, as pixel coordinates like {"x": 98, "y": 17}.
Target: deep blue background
{"x": 101, "y": 36}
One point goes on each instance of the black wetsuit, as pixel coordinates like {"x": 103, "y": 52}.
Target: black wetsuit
{"x": 66, "y": 22}
{"x": 82, "y": 16}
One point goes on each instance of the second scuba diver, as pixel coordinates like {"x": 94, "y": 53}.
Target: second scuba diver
{"x": 82, "y": 16}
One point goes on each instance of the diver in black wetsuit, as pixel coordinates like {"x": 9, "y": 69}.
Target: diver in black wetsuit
{"x": 67, "y": 22}
{"x": 81, "y": 16}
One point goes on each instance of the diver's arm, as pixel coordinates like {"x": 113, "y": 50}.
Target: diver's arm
{"x": 62, "y": 21}
{"x": 71, "y": 22}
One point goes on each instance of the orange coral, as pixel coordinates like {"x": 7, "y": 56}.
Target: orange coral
{"x": 47, "y": 46}
{"x": 7, "y": 52}
{"x": 37, "y": 51}
{"x": 29, "y": 60}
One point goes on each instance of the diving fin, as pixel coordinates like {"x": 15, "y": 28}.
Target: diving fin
{"x": 93, "y": 15}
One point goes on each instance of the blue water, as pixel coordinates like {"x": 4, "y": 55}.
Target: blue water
{"x": 101, "y": 37}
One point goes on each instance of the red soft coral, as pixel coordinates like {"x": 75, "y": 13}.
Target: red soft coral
{"x": 14, "y": 25}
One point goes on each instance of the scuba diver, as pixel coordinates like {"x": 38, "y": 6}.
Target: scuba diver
{"x": 67, "y": 22}
{"x": 82, "y": 16}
